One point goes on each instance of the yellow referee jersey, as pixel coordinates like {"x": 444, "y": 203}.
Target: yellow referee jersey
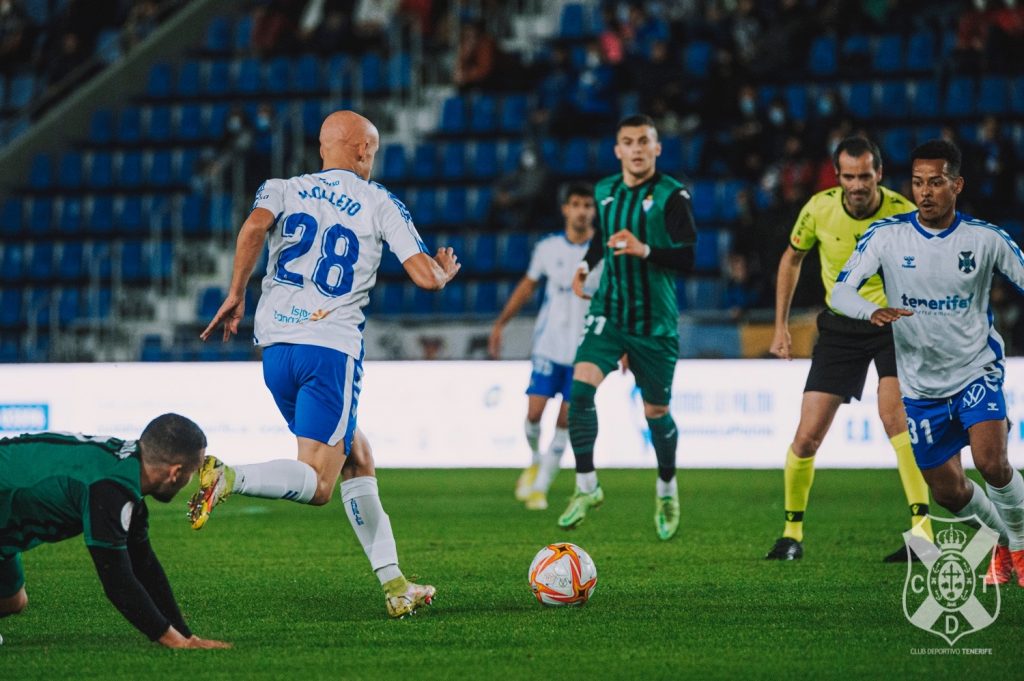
{"x": 823, "y": 221}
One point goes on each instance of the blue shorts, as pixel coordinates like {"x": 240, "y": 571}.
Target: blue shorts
{"x": 316, "y": 389}
{"x": 548, "y": 379}
{"x": 938, "y": 428}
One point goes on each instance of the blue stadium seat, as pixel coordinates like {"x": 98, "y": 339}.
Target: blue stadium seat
{"x": 484, "y": 117}
{"x": 453, "y": 161}
{"x": 452, "y": 300}
{"x": 278, "y": 78}
{"x": 425, "y": 213}
{"x": 572, "y": 25}
{"x": 399, "y": 72}
{"x": 70, "y": 215}
{"x": 190, "y": 123}
{"x": 1017, "y": 95}
{"x": 704, "y": 293}
{"x": 40, "y": 174}
{"x": 185, "y": 168}
{"x": 312, "y": 117}
{"x": 307, "y": 75}
{"x": 393, "y": 166}
{"x": 243, "y": 33}
{"x": 70, "y": 170}
{"x": 391, "y": 298}
{"x": 132, "y": 267}
{"x": 100, "y": 303}
{"x": 13, "y": 269}
{"x": 219, "y": 206}
{"x": 338, "y": 75}
{"x": 921, "y": 51}
{"x": 727, "y": 194}
{"x": 823, "y": 60}
{"x": 707, "y": 256}
{"x": 453, "y": 116}
{"x": 455, "y": 206}
{"x": 551, "y": 152}
{"x": 697, "y": 58}
{"x": 11, "y": 308}
{"x": 37, "y": 10}
{"x": 101, "y": 215}
{"x": 101, "y": 126}
{"x": 485, "y": 254}
{"x": 209, "y": 302}
{"x": 194, "y": 214}
{"x": 860, "y": 100}
{"x": 128, "y": 217}
{"x": 101, "y": 170}
{"x": 605, "y": 162}
{"x": 22, "y": 90}
{"x": 247, "y": 79}
{"x": 424, "y": 165}
{"x": 218, "y": 35}
{"x": 40, "y": 266}
{"x": 516, "y": 253}
{"x": 187, "y": 84}
{"x": 158, "y": 85}
{"x": 481, "y": 206}
{"x": 160, "y": 170}
{"x": 129, "y": 125}
{"x": 10, "y": 218}
{"x": 892, "y": 99}
{"x": 40, "y": 300}
{"x": 485, "y": 160}
{"x": 389, "y": 264}
{"x": 960, "y": 97}
{"x": 575, "y": 157}
{"x": 888, "y": 53}
{"x": 71, "y": 266}
{"x": 992, "y": 98}
{"x": 485, "y": 298}
{"x": 69, "y": 305}
{"x": 216, "y": 120}
{"x": 857, "y": 46}
{"x": 371, "y": 71}
{"x": 795, "y": 97}
{"x": 218, "y": 78}
{"x": 129, "y": 174}
{"x": 693, "y": 152}
{"x": 703, "y": 202}
{"x": 510, "y": 159}
{"x": 40, "y": 216}
{"x": 159, "y": 129}
{"x": 923, "y": 96}
{"x": 101, "y": 260}
{"x": 896, "y": 145}
{"x": 514, "y": 109}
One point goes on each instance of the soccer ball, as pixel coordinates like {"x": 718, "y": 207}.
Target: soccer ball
{"x": 562, "y": 574}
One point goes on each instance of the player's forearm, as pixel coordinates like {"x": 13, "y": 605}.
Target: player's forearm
{"x": 520, "y": 296}
{"x": 846, "y": 301}
{"x": 785, "y": 286}
{"x": 678, "y": 258}
{"x": 247, "y": 251}
{"x": 126, "y": 593}
{"x": 595, "y": 251}
{"x": 151, "y": 575}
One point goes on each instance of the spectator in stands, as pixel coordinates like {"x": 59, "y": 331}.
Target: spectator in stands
{"x": 792, "y": 176}
{"x": 518, "y": 196}
{"x": 275, "y": 25}
{"x": 551, "y": 116}
{"x": 643, "y": 29}
{"x": 16, "y": 36}
{"x": 1006, "y": 36}
{"x": 659, "y": 77}
{"x": 326, "y": 26}
{"x": 993, "y": 176}
{"x": 594, "y": 97}
{"x": 743, "y": 291}
{"x": 972, "y": 29}
{"x": 477, "y": 59}
{"x": 70, "y": 56}
{"x": 371, "y": 20}
{"x": 747, "y": 28}
{"x": 612, "y": 47}
{"x": 142, "y": 19}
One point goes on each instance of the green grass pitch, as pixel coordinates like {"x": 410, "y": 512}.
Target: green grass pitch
{"x": 290, "y": 587}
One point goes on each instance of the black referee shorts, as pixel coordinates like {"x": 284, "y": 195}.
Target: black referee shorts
{"x": 845, "y": 348}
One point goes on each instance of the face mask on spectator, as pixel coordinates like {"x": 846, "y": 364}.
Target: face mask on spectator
{"x": 747, "y": 106}
{"x": 826, "y": 107}
{"x": 776, "y": 115}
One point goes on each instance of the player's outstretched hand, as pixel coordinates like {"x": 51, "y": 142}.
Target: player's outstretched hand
{"x": 494, "y": 342}
{"x": 578, "y": 280}
{"x": 782, "y": 344}
{"x": 448, "y": 261}
{"x": 230, "y": 314}
{"x": 887, "y": 315}
{"x": 624, "y": 242}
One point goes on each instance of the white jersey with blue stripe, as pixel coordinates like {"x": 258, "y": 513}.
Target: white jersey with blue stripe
{"x": 325, "y": 248}
{"x": 945, "y": 279}
{"x": 560, "y": 320}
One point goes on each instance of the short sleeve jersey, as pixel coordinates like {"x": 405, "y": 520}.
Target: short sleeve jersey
{"x": 56, "y": 485}
{"x": 825, "y": 223}
{"x": 325, "y": 248}
{"x": 560, "y": 320}
{"x": 639, "y": 296}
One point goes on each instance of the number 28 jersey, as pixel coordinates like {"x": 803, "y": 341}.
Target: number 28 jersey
{"x": 325, "y": 247}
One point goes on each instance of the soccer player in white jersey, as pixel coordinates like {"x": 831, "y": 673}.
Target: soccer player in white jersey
{"x": 555, "y": 336}
{"x": 937, "y": 265}
{"x": 326, "y": 234}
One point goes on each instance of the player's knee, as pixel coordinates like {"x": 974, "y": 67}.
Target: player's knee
{"x": 323, "y": 494}
{"x": 953, "y": 496}
{"x": 13, "y": 605}
{"x": 805, "y": 445}
{"x": 994, "y": 470}
{"x": 655, "y": 411}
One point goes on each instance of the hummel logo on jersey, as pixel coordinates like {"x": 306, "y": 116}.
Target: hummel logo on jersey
{"x": 329, "y": 183}
{"x": 908, "y": 262}
{"x": 967, "y": 263}
{"x": 606, "y": 200}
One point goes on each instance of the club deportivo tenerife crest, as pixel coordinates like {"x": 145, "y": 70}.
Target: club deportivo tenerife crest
{"x": 946, "y": 592}
{"x": 967, "y": 262}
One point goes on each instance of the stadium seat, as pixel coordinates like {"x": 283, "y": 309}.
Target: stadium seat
{"x": 703, "y": 202}
{"x": 312, "y": 117}
{"x": 160, "y": 170}
{"x": 40, "y": 302}
{"x": 194, "y": 215}
{"x": 892, "y": 99}
{"x": 40, "y": 216}
{"x": 209, "y": 302}
{"x": 960, "y": 97}
{"x": 218, "y": 35}
{"x": 101, "y": 170}
{"x": 158, "y": 85}
{"x": 455, "y": 209}
{"x": 923, "y": 96}
{"x": 187, "y": 83}
{"x": 99, "y": 303}
{"x": 425, "y": 213}
{"x": 575, "y": 157}
{"x": 278, "y": 78}
{"x": 100, "y": 260}
{"x": 69, "y": 305}
{"x": 856, "y": 47}
{"x": 338, "y": 75}
{"x": 371, "y": 72}
{"x": 185, "y": 167}
{"x": 393, "y": 164}
{"x": 128, "y": 216}
{"x": 992, "y": 98}
{"x": 218, "y": 78}
{"x": 13, "y": 263}
{"x": 247, "y": 77}
{"x": 703, "y": 293}
{"x": 307, "y": 75}
{"x": 514, "y": 109}
{"x": 216, "y": 120}
{"x": 481, "y": 205}
{"x": 129, "y": 125}
{"x": 484, "y": 117}
{"x": 888, "y": 53}
{"x": 453, "y": 161}
{"x": 896, "y": 146}
{"x": 242, "y": 33}
{"x": 693, "y": 152}
{"x": 727, "y": 197}
{"x": 921, "y": 51}
{"x": 670, "y": 160}
{"x": 22, "y": 89}
{"x": 10, "y": 218}
{"x": 795, "y": 97}
{"x": 40, "y": 174}
{"x": 860, "y": 100}
{"x": 571, "y": 25}
{"x": 823, "y": 60}
{"x": 1017, "y": 95}
{"x": 129, "y": 173}
{"x": 485, "y": 160}
{"x": 71, "y": 265}
{"x": 453, "y": 116}
{"x": 389, "y": 264}
{"x": 452, "y": 299}
{"x": 70, "y": 215}
{"x": 707, "y": 256}
{"x": 11, "y": 308}
{"x": 697, "y": 58}
{"x": 390, "y": 300}
{"x": 485, "y": 298}
{"x": 40, "y": 266}
{"x": 101, "y": 215}
{"x": 132, "y": 267}
{"x": 515, "y": 254}
{"x": 101, "y": 126}
{"x": 510, "y": 159}
{"x": 190, "y": 123}
{"x": 424, "y": 166}
{"x": 399, "y": 72}
{"x": 551, "y": 153}
{"x": 485, "y": 254}
{"x": 69, "y": 170}
{"x": 219, "y": 207}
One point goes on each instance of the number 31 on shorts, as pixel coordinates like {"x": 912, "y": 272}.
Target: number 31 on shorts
{"x": 925, "y": 429}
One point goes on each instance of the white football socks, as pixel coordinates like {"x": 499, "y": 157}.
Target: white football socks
{"x": 1009, "y": 503}
{"x": 371, "y": 525}
{"x": 550, "y": 462}
{"x": 280, "y": 479}
{"x": 981, "y": 506}
{"x": 667, "y": 489}
{"x": 532, "y": 431}
{"x": 586, "y": 482}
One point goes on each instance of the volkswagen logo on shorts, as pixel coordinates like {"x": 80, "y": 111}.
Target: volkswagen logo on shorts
{"x": 973, "y": 395}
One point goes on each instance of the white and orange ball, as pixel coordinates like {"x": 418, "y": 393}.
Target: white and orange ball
{"x": 562, "y": 574}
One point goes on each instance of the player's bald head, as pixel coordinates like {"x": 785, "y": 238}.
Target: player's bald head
{"x": 348, "y": 140}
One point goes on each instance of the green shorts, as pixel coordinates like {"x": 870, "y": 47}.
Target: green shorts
{"x": 651, "y": 359}
{"x": 12, "y": 576}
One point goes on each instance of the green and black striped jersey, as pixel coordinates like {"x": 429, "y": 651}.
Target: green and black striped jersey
{"x": 636, "y": 294}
